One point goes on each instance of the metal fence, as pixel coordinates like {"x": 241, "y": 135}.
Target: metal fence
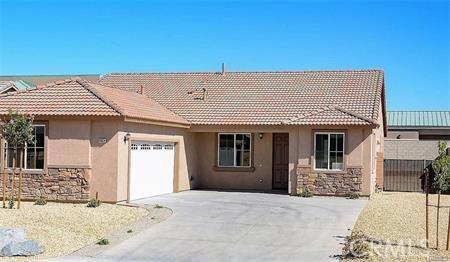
{"x": 404, "y": 175}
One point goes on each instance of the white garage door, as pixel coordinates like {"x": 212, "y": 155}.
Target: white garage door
{"x": 152, "y": 167}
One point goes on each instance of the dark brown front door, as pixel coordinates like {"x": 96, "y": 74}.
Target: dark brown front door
{"x": 280, "y": 161}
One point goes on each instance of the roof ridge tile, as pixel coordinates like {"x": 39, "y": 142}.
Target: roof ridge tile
{"x": 86, "y": 85}
{"x": 242, "y": 72}
{"x": 356, "y": 115}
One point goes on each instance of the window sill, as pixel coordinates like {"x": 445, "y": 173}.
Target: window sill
{"x": 27, "y": 171}
{"x": 324, "y": 171}
{"x": 234, "y": 169}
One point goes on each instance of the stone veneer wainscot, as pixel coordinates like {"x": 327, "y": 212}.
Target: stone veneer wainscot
{"x": 329, "y": 183}
{"x": 64, "y": 184}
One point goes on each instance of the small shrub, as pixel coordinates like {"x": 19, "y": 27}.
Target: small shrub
{"x": 129, "y": 231}
{"x": 356, "y": 246}
{"x": 352, "y": 195}
{"x": 306, "y": 193}
{"x": 93, "y": 203}
{"x": 158, "y": 206}
{"x": 40, "y": 201}
{"x": 378, "y": 188}
{"x": 11, "y": 201}
{"x": 103, "y": 242}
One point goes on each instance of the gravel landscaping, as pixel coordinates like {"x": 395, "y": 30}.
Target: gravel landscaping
{"x": 397, "y": 220}
{"x": 64, "y": 228}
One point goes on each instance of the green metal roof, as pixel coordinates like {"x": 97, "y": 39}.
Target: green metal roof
{"x": 418, "y": 118}
{"x": 22, "y": 85}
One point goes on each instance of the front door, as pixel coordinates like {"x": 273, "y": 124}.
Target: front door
{"x": 280, "y": 173}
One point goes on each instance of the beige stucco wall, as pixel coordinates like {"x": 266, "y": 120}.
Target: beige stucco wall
{"x": 377, "y": 149}
{"x": 98, "y": 145}
{"x": 104, "y": 159}
{"x": 75, "y": 143}
{"x": 80, "y": 143}
{"x": 259, "y": 179}
{"x": 359, "y": 148}
{"x": 71, "y": 136}
{"x": 367, "y": 161}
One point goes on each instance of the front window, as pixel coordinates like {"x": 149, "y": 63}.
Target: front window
{"x": 33, "y": 153}
{"x": 329, "y": 151}
{"x": 234, "y": 150}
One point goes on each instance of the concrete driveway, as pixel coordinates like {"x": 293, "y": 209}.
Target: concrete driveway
{"x": 232, "y": 226}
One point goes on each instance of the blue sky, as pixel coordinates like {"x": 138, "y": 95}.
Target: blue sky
{"x": 408, "y": 39}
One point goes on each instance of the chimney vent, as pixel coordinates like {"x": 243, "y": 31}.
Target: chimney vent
{"x": 142, "y": 90}
{"x": 223, "y": 68}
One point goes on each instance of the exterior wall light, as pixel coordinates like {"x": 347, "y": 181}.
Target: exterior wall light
{"x": 261, "y": 135}
{"x": 126, "y": 137}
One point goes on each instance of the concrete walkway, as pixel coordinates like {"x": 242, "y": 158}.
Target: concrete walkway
{"x": 232, "y": 226}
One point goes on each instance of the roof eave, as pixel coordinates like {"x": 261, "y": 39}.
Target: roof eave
{"x": 157, "y": 122}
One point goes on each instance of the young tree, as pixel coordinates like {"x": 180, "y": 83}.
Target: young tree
{"x": 17, "y": 130}
{"x": 441, "y": 167}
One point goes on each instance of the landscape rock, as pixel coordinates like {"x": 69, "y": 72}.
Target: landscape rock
{"x": 24, "y": 248}
{"x": 8, "y": 235}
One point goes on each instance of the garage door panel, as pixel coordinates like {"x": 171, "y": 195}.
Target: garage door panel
{"x": 152, "y": 169}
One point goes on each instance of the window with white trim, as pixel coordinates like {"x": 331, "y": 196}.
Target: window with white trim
{"x": 234, "y": 150}
{"x": 329, "y": 151}
{"x": 33, "y": 153}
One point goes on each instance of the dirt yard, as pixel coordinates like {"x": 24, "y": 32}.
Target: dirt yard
{"x": 398, "y": 219}
{"x": 65, "y": 228}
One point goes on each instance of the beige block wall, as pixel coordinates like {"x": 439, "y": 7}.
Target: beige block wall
{"x": 413, "y": 135}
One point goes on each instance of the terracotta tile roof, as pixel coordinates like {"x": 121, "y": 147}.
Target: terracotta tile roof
{"x": 329, "y": 116}
{"x": 134, "y": 105}
{"x": 67, "y": 97}
{"x": 263, "y": 98}
{"x": 77, "y": 97}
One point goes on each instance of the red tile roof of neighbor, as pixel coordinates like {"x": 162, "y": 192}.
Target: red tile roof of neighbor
{"x": 77, "y": 97}
{"x": 263, "y": 98}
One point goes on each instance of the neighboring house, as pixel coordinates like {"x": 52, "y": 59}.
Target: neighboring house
{"x": 35, "y": 80}
{"x": 413, "y": 135}
{"x": 156, "y": 133}
{"x": 12, "y": 86}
